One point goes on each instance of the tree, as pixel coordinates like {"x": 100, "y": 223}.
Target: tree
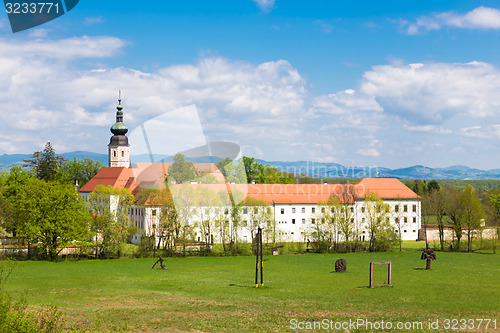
{"x": 381, "y": 232}
{"x": 256, "y": 172}
{"x": 109, "y": 222}
{"x": 233, "y": 171}
{"x": 51, "y": 213}
{"x": 346, "y": 214}
{"x": 181, "y": 170}
{"x": 80, "y": 171}
{"x": 44, "y": 164}
{"x": 432, "y": 186}
{"x": 471, "y": 213}
{"x": 453, "y": 211}
{"x": 435, "y": 201}
{"x": 494, "y": 201}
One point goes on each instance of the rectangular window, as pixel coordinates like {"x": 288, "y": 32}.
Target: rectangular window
{"x": 303, "y": 210}
{"x": 396, "y": 220}
{"x": 303, "y": 221}
{"x": 293, "y": 221}
{"x": 405, "y": 208}
{"x": 245, "y": 210}
{"x": 396, "y": 208}
{"x": 363, "y": 220}
{"x": 153, "y": 212}
{"x": 414, "y": 208}
{"x": 322, "y": 209}
{"x": 313, "y": 210}
{"x": 414, "y": 220}
{"x": 269, "y": 210}
{"x": 362, "y": 209}
{"x": 352, "y": 209}
{"x": 313, "y": 221}
{"x": 406, "y": 219}
{"x": 282, "y": 210}
{"x": 293, "y": 210}
{"x": 255, "y": 210}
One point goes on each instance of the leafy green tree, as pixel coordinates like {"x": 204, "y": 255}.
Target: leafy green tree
{"x": 181, "y": 170}
{"x": 50, "y": 213}
{"x": 44, "y": 164}
{"x": 233, "y": 171}
{"x": 382, "y": 234}
{"x": 109, "y": 220}
{"x": 494, "y": 201}
{"x": 258, "y": 173}
{"x": 78, "y": 170}
{"x": 432, "y": 186}
{"x": 471, "y": 213}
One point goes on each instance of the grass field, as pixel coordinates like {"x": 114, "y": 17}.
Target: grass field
{"x": 217, "y": 294}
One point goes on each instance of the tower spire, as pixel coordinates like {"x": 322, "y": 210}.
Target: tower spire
{"x": 118, "y": 147}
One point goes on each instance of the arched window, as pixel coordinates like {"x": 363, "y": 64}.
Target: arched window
{"x": 123, "y": 153}
{"x": 114, "y": 153}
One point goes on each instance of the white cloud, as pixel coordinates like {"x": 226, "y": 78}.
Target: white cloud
{"x": 38, "y": 33}
{"x": 433, "y": 93}
{"x": 371, "y": 152}
{"x": 265, "y": 107}
{"x": 265, "y": 5}
{"x": 482, "y": 132}
{"x": 479, "y": 18}
{"x": 42, "y": 99}
{"x": 93, "y": 20}
{"x": 427, "y": 129}
{"x": 70, "y": 48}
{"x": 323, "y": 26}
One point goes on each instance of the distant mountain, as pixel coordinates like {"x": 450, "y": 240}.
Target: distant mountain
{"x": 334, "y": 170}
{"x": 312, "y": 169}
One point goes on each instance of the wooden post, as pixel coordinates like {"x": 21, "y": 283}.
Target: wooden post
{"x": 389, "y": 277}
{"x": 257, "y": 260}
{"x": 371, "y": 275}
{"x": 389, "y": 273}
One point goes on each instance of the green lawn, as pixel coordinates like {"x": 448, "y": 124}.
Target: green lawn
{"x": 217, "y": 294}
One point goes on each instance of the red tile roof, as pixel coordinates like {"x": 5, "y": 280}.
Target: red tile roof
{"x": 118, "y": 177}
{"x": 148, "y": 175}
{"x": 385, "y": 188}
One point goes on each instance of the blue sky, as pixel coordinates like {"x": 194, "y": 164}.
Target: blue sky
{"x": 391, "y": 83}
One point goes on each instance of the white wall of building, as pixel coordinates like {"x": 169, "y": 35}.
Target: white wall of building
{"x": 293, "y": 221}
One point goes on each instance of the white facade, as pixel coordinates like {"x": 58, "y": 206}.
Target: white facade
{"x": 294, "y": 222}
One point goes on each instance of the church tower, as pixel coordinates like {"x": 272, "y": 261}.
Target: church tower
{"x": 118, "y": 148}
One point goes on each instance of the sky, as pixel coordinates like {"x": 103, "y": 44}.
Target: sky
{"x": 365, "y": 83}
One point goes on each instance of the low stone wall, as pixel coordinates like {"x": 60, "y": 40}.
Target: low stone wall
{"x": 486, "y": 233}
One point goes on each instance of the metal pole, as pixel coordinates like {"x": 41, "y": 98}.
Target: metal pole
{"x": 261, "y": 263}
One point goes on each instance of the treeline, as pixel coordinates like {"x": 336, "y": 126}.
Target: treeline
{"x": 465, "y": 208}
{"x": 40, "y": 206}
